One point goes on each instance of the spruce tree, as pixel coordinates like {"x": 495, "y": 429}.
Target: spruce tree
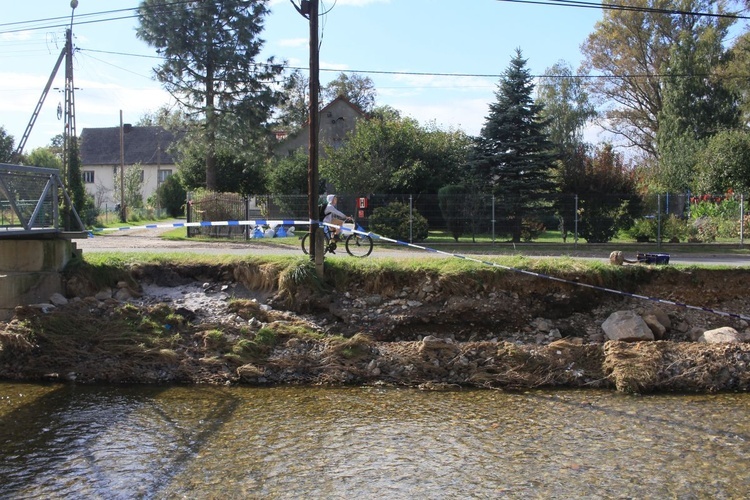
{"x": 512, "y": 154}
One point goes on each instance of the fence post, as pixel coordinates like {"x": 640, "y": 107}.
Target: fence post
{"x": 246, "y": 227}
{"x": 658, "y": 220}
{"x": 188, "y": 214}
{"x": 742, "y": 220}
{"x": 411, "y": 219}
{"x": 575, "y": 219}
{"x": 493, "y": 219}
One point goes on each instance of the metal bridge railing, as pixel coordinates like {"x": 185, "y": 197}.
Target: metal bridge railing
{"x": 30, "y": 201}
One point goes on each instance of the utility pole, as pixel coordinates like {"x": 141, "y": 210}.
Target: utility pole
{"x": 309, "y": 10}
{"x": 69, "y": 132}
{"x": 316, "y": 253}
{"x": 123, "y": 208}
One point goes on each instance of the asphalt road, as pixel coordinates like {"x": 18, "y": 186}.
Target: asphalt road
{"x": 149, "y": 240}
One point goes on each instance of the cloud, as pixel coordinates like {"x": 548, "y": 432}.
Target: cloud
{"x": 16, "y": 37}
{"x": 404, "y": 85}
{"x": 467, "y": 115}
{"x": 293, "y": 42}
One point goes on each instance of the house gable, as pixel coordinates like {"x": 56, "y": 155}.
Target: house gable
{"x": 336, "y": 120}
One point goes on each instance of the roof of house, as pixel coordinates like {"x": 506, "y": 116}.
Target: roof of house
{"x": 144, "y": 145}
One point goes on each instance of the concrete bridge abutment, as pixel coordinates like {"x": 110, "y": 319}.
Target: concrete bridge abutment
{"x": 31, "y": 270}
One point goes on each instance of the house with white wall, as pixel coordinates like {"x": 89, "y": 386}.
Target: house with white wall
{"x": 145, "y": 148}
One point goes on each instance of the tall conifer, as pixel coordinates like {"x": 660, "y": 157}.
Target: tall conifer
{"x": 512, "y": 154}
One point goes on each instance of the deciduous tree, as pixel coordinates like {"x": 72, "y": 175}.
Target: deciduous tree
{"x": 566, "y": 109}
{"x": 388, "y": 154}
{"x": 696, "y": 104}
{"x": 631, "y": 49}
{"x": 6, "y": 146}
{"x": 359, "y": 90}
{"x": 724, "y": 163}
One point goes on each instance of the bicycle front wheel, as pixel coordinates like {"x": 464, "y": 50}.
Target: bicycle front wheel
{"x": 358, "y": 245}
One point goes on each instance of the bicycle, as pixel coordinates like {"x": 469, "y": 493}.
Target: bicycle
{"x": 357, "y": 245}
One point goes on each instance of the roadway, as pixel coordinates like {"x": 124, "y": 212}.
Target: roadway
{"x": 150, "y": 240}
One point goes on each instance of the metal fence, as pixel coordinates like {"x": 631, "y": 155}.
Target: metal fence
{"x": 660, "y": 218}
{"x": 30, "y": 201}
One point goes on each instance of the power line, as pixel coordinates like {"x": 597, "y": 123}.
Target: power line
{"x": 64, "y": 21}
{"x": 622, "y": 7}
{"x": 458, "y": 75}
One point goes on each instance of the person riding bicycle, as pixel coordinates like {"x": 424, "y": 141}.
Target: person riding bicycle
{"x": 334, "y": 216}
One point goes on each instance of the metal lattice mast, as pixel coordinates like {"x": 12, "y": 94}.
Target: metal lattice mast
{"x": 69, "y": 133}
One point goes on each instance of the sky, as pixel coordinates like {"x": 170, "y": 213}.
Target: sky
{"x": 412, "y": 50}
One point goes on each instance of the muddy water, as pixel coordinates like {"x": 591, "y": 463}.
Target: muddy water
{"x": 208, "y": 442}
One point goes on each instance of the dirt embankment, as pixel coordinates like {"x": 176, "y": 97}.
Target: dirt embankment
{"x": 489, "y": 328}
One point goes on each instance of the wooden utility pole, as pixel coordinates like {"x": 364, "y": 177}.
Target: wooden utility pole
{"x": 123, "y": 207}
{"x": 316, "y": 247}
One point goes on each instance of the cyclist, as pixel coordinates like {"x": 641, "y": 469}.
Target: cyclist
{"x": 334, "y": 216}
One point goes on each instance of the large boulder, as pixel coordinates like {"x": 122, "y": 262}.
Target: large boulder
{"x": 725, "y": 334}
{"x": 626, "y": 326}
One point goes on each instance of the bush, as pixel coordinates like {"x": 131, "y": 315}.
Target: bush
{"x": 89, "y": 212}
{"x": 531, "y": 228}
{"x": 643, "y": 230}
{"x": 171, "y": 196}
{"x": 675, "y": 229}
{"x": 704, "y": 230}
{"x": 392, "y": 221}
{"x": 451, "y": 200}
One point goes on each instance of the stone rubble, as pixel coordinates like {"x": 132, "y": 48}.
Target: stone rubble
{"x": 418, "y": 312}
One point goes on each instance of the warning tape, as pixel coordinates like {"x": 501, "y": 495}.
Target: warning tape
{"x": 374, "y": 236}
{"x": 547, "y": 276}
{"x": 206, "y": 223}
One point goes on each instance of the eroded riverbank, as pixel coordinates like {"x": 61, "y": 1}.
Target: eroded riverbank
{"x": 265, "y": 324}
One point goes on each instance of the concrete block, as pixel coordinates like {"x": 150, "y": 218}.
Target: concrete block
{"x": 18, "y": 289}
{"x": 35, "y": 255}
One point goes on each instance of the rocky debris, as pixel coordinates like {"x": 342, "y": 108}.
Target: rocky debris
{"x": 416, "y": 312}
{"x": 432, "y": 333}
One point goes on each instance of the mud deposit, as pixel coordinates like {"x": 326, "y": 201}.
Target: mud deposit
{"x": 257, "y": 324}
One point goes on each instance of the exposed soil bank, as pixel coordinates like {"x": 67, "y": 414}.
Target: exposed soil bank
{"x": 256, "y": 323}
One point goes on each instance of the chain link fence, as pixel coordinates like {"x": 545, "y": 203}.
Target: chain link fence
{"x": 563, "y": 218}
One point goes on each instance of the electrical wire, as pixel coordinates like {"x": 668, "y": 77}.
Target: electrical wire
{"x": 558, "y": 3}
{"x": 80, "y": 18}
{"x": 622, "y": 7}
{"x": 460, "y": 75}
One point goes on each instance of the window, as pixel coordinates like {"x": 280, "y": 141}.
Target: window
{"x": 88, "y": 176}
{"x": 163, "y": 174}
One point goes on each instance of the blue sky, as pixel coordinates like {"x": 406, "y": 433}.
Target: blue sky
{"x": 112, "y": 68}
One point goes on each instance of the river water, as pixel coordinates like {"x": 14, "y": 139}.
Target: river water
{"x": 111, "y": 442}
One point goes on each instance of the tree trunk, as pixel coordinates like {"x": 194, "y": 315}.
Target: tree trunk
{"x": 211, "y": 126}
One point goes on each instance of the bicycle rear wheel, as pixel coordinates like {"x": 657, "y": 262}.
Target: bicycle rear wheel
{"x": 306, "y": 239}
{"x": 358, "y": 245}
